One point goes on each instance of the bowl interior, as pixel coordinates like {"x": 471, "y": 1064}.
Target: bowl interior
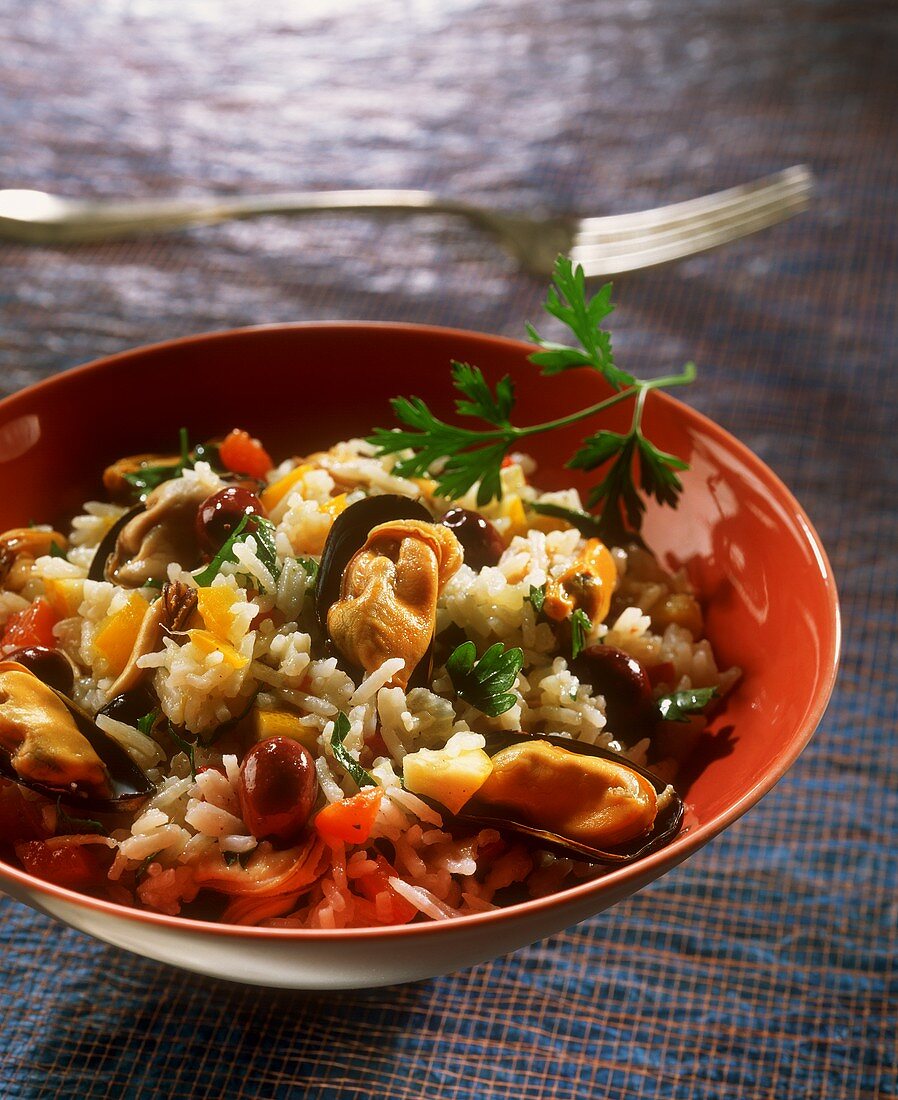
{"x": 764, "y": 580}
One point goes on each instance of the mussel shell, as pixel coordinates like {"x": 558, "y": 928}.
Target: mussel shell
{"x": 666, "y": 825}
{"x": 348, "y": 535}
{"x": 106, "y": 549}
{"x": 130, "y": 785}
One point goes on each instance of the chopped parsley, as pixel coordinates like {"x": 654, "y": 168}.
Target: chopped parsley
{"x": 677, "y": 706}
{"x": 342, "y": 755}
{"x": 537, "y": 597}
{"x": 580, "y": 628}
{"x": 486, "y": 683}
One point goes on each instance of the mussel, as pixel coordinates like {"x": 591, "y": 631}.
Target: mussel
{"x": 48, "y": 743}
{"x": 347, "y": 543}
{"x": 348, "y": 534}
{"x": 536, "y": 783}
{"x": 142, "y": 543}
{"x": 105, "y": 550}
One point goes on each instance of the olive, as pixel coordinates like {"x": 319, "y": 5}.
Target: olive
{"x": 131, "y": 706}
{"x": 625, "y": 684}
{"x": 221, "y": 512}
{"x": 277, "y": 789}
{"x": 48, "y": 665}
{"x": 480, "y": 541}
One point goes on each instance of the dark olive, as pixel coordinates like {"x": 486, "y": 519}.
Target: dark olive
{"x": 48, "y": 665}
{"x": 220, "y": 513}
{"x": 131, "y": 706}
{"x": 480, "y": 541}
{"x": 278, "y": 788}
{"x": 625, "y": 684}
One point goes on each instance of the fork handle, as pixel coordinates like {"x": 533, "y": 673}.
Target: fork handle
{"x": 74, "y": 220}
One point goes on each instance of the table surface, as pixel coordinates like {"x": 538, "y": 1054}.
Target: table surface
{"x": 765, "y": 966}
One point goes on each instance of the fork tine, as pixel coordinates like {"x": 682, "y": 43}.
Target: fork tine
{"x": 696, "y": 215}
{"x": 793, "y": 181}
{"x": 690, "y": 227}
{"x": 656, "y": 248}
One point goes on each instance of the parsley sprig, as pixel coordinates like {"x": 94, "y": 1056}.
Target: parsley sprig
{"x": 486, "y": 684}
{"x": 464, "y": 457}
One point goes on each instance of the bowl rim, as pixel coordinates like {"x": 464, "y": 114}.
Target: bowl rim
{"x": 650, "y": 866}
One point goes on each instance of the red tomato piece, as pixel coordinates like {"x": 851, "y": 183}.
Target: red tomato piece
{"x": 74, "y": 865}
{"x": 241, "y": 454}
{"x": 32, "y": 626}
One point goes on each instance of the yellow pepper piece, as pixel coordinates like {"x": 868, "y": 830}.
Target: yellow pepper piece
{"x": 517, "y": 518}
{"x": 116, "y": 637}
{"x": 64, "y": 595}
{"x": 215, "y": 605}
{"x": 206, "y": 642}
{"x": 334, "y": 506}
{"x": 259, "y": 725}
{"x": 275, "y": 493}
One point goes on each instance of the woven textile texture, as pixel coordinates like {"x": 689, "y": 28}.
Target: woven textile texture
{"x": 765, "y": 966}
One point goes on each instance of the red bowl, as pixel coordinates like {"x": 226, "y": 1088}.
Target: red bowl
{"x": 760, "y": 569}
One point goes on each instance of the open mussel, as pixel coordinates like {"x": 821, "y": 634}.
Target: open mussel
{"x": 349, "y": 533}
{"x": 384, "y": 561}
{"x": 106, "y": 549}
{"x": 574, "y": 798}
{"x": 48, "y": 743}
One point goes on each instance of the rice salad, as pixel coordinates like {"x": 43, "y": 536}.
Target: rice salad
{"x": 297, "y": 781}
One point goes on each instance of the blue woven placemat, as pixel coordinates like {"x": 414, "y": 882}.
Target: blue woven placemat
{"x": 763, "y": 967}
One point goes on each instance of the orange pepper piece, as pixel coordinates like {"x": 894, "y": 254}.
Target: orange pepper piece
{"x": 351, "y": 819}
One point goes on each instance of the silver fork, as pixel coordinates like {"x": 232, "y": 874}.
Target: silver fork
{"x": 604, "y": 246}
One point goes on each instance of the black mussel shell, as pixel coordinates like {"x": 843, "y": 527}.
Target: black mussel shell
{"x": 106, "y": 549}
{"x": 130, "y": 785}
{"x": 666, "y": 825}
{"x": 132, "y": 705}
{"x": 347, "y": 535}
{"x": 51, "y": 666}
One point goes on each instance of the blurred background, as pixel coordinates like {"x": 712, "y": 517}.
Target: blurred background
{"x": 765, "y": 966}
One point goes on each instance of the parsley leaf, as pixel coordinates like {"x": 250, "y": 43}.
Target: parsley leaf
{"x": 56, "y": 551}
{"x": 343, "y": 756}
{"x": 677, "y": 706}
{"x": 494, "y": 409}
{"x": 486, "y": 684}
{"x": 567, "y": 301}
{"x": 580, "y": 628}
{"x": 434, "y": 441}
